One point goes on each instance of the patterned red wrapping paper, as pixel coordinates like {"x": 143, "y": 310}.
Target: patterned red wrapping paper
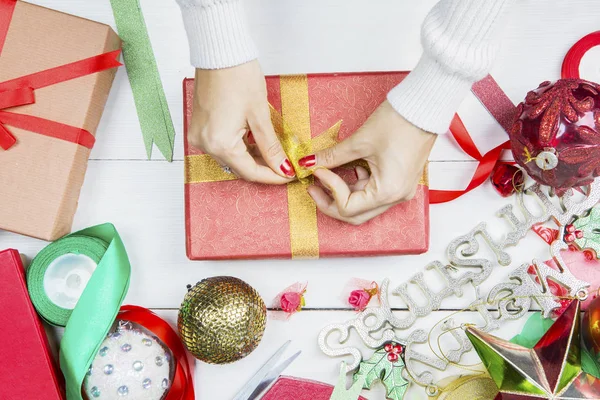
{"x": 28, "y": 370}
{"x": 240, "y": 220}
{"x": 288, "y": 388}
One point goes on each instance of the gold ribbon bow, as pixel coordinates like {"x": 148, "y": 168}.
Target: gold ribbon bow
{"x": 293, "y": 128}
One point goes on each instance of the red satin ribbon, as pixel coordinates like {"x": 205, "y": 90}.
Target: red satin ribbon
{"x": 182, "y": 387}
{"x": 570, "y": 66}
{"x": 484, "y": 168}
{"x": 6, "y": 10}
{"x": 20, "y": 91}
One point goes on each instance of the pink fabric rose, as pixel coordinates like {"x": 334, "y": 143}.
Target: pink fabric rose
{"x": 291, "y": 302}
{"x": 359, "y": 299}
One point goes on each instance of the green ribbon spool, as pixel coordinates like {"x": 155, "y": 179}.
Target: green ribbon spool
{"x": 87, "y": 324}
{"x": 52, "y": 313}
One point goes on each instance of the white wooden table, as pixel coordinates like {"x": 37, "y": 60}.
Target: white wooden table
{"x": 144, "y": 199}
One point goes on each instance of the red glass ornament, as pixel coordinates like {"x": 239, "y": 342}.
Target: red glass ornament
{"x": 590, "y": 330}
{"x": 506, "y": 178}
{"x": 556, "y": 137}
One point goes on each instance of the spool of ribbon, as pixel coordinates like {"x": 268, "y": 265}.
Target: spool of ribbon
{"x": 55, "y": 282}
{"x": 87, "y": 324}
{"x": 182, "y": 387}
{"x": 148, "y": 93}
{"x": 570, "y": 66}
{"x": 20, "y": 91}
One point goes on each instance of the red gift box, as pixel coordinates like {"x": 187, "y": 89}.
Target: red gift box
{"x": 227, "y": 218}
{"x": 27, "y": 370}
{"x": 288, "y": 388}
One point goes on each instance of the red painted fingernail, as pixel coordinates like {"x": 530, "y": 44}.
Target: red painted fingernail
{"x": 308, "y": 161}
{"x": 286, "y": 168}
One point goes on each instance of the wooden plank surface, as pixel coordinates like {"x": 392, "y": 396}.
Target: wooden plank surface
{"x": 144, "y": 199}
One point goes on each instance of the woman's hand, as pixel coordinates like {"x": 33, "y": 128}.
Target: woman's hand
{"x": 396, "y": 152}
{"x": 228, "y": 103}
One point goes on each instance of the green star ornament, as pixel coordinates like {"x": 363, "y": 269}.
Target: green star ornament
{"x": 549, "y": 370}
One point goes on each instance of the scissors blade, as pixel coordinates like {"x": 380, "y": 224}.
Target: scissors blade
{"x": 273, "y": 374}
{"x": 259, "y": 376}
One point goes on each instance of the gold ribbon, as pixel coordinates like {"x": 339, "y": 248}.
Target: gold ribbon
{"x": 293, "y": 128}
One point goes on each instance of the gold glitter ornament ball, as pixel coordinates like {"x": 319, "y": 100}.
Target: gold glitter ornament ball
{"x": 222, "y": 320}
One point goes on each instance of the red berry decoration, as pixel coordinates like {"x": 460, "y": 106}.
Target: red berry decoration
{"x": 572, "y": 233}
{"x": 506, "y": 178}
{"x": 394, "y": 351}
{"x": 556, "y": 137}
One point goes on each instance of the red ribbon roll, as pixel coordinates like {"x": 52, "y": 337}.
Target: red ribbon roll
{"x": 182, "y": 387}
{"x": 20, "y": 91}
{"x": 570, "y": 66}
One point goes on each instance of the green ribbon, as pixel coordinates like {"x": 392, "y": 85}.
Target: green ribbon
{"x": 89, "y": 322}
{"x": 535, "y": 328}
{"x": 148, "y": 93}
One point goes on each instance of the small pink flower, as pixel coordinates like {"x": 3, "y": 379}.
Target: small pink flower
{"x": 589, "y": 255}
{"x": 359, "y": 299}
{"x": 291, "y": 302}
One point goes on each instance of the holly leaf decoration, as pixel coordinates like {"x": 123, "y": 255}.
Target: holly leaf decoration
{"x": 590, "y": 226}
{"x": 395, "y": 384}
{"x": 380, "y": 368}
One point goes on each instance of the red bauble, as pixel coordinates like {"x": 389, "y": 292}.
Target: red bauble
{"x": 506, "y": 178}
{"x": 556, "y": 137}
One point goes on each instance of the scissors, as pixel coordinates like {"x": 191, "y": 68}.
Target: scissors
{"x": 265, "y": 375}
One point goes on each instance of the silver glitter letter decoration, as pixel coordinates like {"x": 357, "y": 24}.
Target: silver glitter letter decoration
{"x": 375, "y": 326}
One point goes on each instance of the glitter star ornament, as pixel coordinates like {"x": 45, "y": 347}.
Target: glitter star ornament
{"x": 549, "y": 370}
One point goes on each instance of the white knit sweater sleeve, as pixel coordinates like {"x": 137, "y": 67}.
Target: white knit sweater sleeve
{"x": 217, "y": 33}
{"x": 460, "y": 40}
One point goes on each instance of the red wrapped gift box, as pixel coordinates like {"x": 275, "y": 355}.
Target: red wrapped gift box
{"x": 288, "y": 388}
{"x": 27, "y": 370}
{"x": 228, "y": 218}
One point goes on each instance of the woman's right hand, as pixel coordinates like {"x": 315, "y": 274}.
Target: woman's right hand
{"x": 228, "y": 104}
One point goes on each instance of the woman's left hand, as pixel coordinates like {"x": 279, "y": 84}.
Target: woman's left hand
{"x": 396, "y": 152}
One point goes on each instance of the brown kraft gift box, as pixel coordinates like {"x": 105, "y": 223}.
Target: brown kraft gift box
{"x": 41, "y": 176}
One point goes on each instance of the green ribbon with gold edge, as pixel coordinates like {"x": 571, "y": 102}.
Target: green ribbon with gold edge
{"x": 148, "y": 93}
{"x": 89, "y": 322}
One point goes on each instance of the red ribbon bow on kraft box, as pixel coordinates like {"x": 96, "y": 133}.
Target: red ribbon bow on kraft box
{"x": 55, "y": 74}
